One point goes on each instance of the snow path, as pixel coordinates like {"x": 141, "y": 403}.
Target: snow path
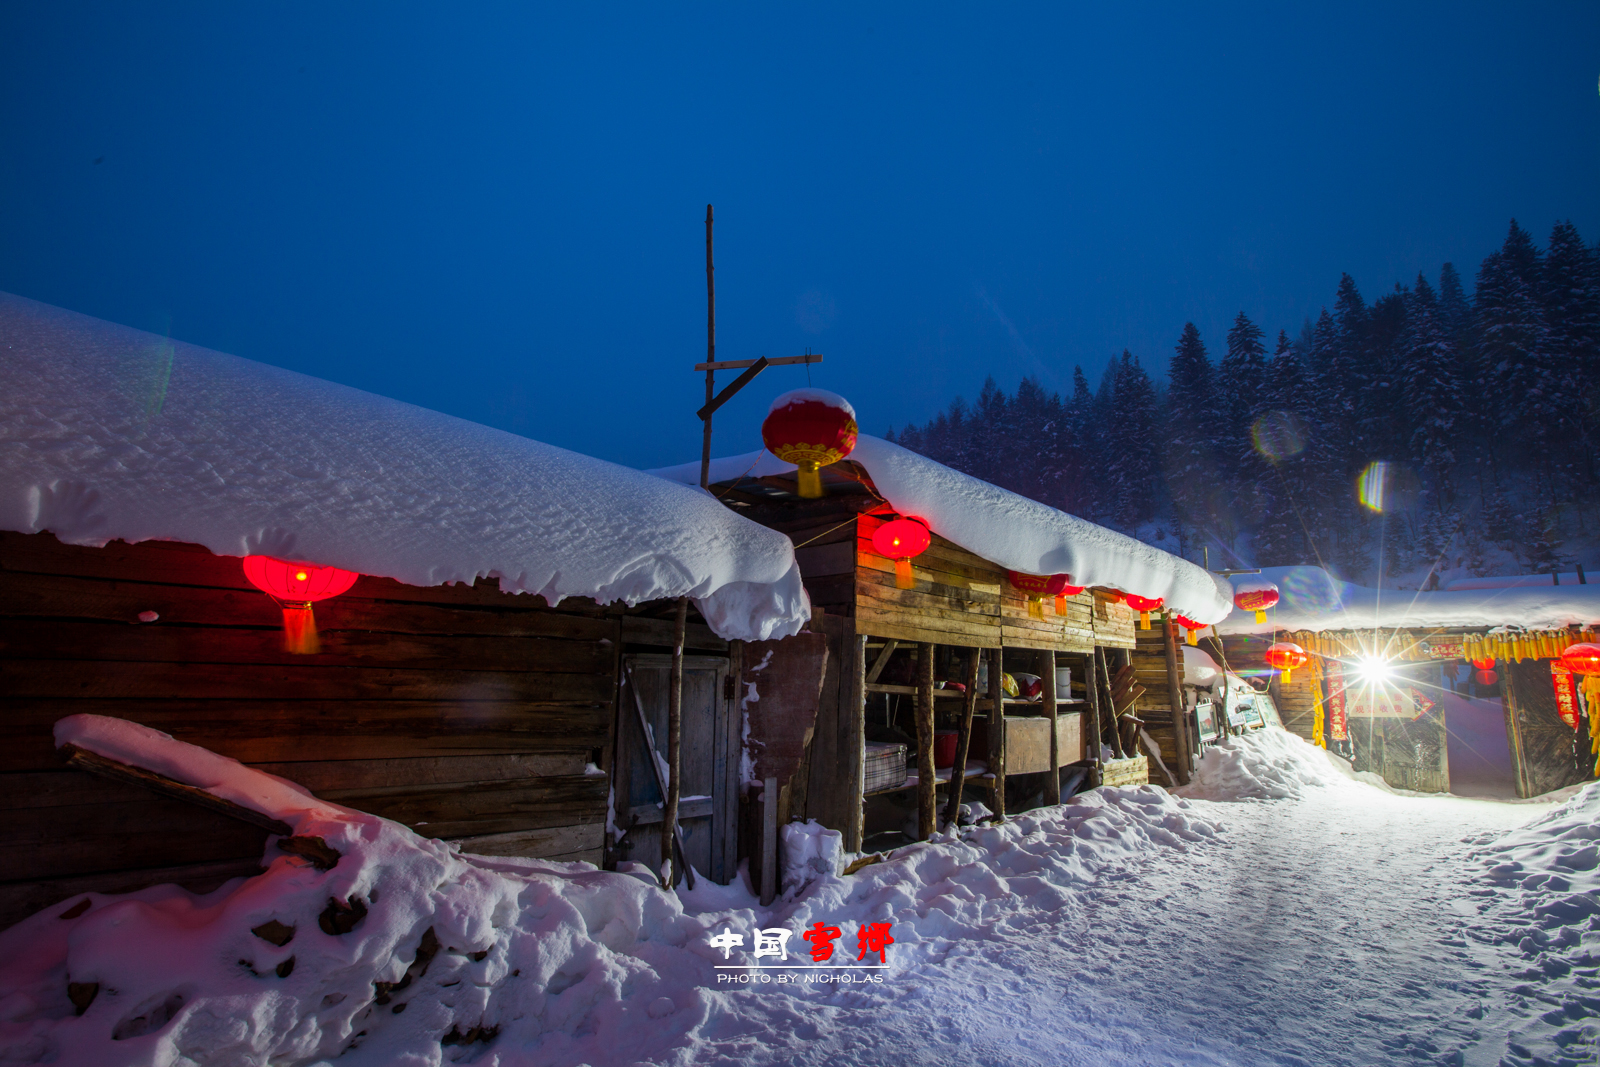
{"x": 1323, "y": 930}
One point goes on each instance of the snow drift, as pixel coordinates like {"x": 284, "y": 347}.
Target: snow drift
{"x": 110, "y": 433}
{"x": 1006, "y": 528}
{"x": 1268, "y": 764}
{"x": 408, "y": 952}
{"x": 1312, "y": 599}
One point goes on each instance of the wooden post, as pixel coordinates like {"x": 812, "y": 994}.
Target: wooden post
{"x": 852, "y": 731}
{"x": 669, "y": 821}
{"x": 769, "y": 841}
{"x": 711, "y": 356}
{"x": 958, "y": 772}
{"x": 1111, "y": 705}
{"x": 1180, "y": 714}
{"x": 927, "y": 777}
{"x": 997, "y": 730}
{"x": 1092, "y": 690}
{"x": 1052, "y": 784}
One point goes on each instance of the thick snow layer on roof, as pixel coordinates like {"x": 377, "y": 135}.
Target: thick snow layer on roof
{"x": 110, "y": 433}
{"x": 1312, "y": 599}
{"x": 1005, "y": 528}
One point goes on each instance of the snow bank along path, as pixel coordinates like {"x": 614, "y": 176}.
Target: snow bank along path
{"x": 407, "y": 952}
{"x": 1005, "y": 528}
{"x": 108, "y": 432}
{"x": 1312, "y": 599}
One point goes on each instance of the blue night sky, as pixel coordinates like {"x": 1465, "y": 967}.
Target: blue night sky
{"x": 497, "y": 210}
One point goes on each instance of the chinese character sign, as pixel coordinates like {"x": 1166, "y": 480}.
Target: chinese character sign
{"x": 1566, "y": 687}
{"x": 873, "y": 937}
{"x": 822, "y": 936}
{"x": 1338, "y": 724}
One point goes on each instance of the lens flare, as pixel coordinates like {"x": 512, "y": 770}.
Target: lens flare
{"x": 1374, "y": 481}
{"x": 1278, "y": 435}
{"x": 1374, "y": 670}
{"x": 1309, "y": 589}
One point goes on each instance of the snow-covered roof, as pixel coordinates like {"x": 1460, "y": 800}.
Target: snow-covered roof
{"x": 110, "y": 433}
{"x": 1006, "y": 528}
{"x": 1312, "y": 599}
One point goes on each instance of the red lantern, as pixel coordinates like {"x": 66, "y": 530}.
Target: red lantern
{"x": 810, "y": 428}
{"x": 1581, "y": 659}
{"x": 1192, "y": 628}
{"x": 1286, "y": 656}
{"x": 1037, "y": 587}
{"x": 1484, "y": 664}
{"x": 296, "y": 586}
{"x": 1486, "y": 677}
{"x": 1144, "y": 606}
{"x": 1256, "y": 597}
{"x": 900, "y": 539}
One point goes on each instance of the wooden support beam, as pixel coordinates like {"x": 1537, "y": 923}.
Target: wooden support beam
{"x": 852, "y": 732}
{"x": 997, "y": 730}
{"x": 669, "y": 824}
{"x": 1052, "y": 784}
{"x": 1180, "y": 714}
{"x": 775, "y": 361}
{"x": 1111, "y": 705}
{"x": 105, "y": 767}
{"x": 881, "y": 661}
{"x": 958, "y": 773}
{"x": 769, "y": 841}
{"x": 1092, "y": 690}
{"x": 927, "y": 781}
{"x": 733, "y": 387}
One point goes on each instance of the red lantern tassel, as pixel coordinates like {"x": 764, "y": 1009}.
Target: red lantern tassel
{"x": 811, "y": 482}
{"x": 300, "y": 630}
{"x": 1144, "y": 620}
{"x": 1061, "y": 603}
{"x": 902, "y": 575}
{"x": 1261, "y": 616}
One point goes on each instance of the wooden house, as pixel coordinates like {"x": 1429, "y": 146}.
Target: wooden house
{"x": 536, "y": 604}
{"x": 1397, "y": 723}
{"x": 906, "y": 663}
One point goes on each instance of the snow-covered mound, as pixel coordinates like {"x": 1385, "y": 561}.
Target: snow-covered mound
{"x": 1006, "y": 528}
{"x": 407, "y": 952}
{"x": 108, "y": 433}
{"x": 1268, "y": 764}
{"x": 1312, "y": 599}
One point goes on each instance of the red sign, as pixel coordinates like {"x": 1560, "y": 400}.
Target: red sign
{"x": 1566, "y": 687}
{"x": 1386, "y": 702}
{"x": 1333, "y": 680}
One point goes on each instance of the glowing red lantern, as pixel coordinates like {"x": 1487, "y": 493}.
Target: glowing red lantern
{"x": 1256, "y": 597}
{"x": 1484, "y": 664}
{"x": 296, "y": 586}
{"x": 810, "y": 428}
{"x": 900, "y": 539}
{"x": 1037, "y": 587}
{"x": 1144, "y": 606}
{"x": 1581, "y": 659}
{"x": 1286, "y": 656}
{"x": 1192, "y": 628}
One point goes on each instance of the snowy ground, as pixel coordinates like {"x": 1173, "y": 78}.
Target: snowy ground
{"x": 1307, "y": 919}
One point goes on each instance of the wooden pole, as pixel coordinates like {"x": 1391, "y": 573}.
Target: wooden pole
{"x": 958, "y": 772}
{"x": 1111, "y": 705}
{"x": 1092, "y": 689}
{"x": 852, "y": 736}
{"x": 769, "y": 841}
{"x": 1180, "y": 714}
{"x": 927, "y": 780}
{"x": 669, "y": 821}
{"x": 1052, "y": 784}
{"x": 711, "y": 357}
{"x": 997, "y": 730}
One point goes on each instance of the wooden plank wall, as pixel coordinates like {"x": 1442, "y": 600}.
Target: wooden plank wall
{"x": 1155, "y": 705}
{"x": 956, "y": 599}
{"x": 464, "y": 712}
{"x": 1072, "y": 632}
{"x": 1546, "y": 753}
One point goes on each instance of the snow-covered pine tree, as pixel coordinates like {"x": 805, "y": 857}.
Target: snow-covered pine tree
{"x": 1570, "y": 294}
{"x": 1431, "y": 385}
{"x": 1513, "y": 344}
{"x": 1132, "y": 470}
{"x": 1239, "y": 381}
{"x": 1192, "y": 412}
{"x": 1080, "y": 457}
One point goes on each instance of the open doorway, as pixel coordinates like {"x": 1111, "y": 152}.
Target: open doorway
{"x": 1480, "y": 755}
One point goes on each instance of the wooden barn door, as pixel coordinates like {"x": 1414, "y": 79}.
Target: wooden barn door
{"x": 709, "y": 764}
{"x": 1546, "y": 753}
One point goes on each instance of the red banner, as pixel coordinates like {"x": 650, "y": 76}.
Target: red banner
{"x": 1566, "y": 687}
{"x": 1333, "y": 680}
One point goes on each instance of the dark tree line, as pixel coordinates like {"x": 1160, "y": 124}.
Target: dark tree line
{"x": 1482, "y": 412}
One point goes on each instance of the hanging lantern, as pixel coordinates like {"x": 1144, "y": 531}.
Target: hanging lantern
{"x": 1255, "y": 596}
{"x": 900, "y": 539}
{"x": 1485, "y": 677}
{"x": 1036, "y": 587}
{"x": 1144, "y": 606}
{"x": 1286, "y": 656}
{"x": 1063, "y": 593}
{"x": 296, "y": 586}
{"x": 810, "y": 428}
{"x": 1581, "y": 659}
{"x": 1191, "y": 628}
{"x": 1485, "y": 663}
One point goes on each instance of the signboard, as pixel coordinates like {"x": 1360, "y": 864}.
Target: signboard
{"x": 1566, "y": 687}
{"x": 1333, "y": 680}
{"x": 1441, "y": 648}
{"x": 1237, "y": 708}
{"x": 1385, "y": 702}
{"x": 1205, "y": 717}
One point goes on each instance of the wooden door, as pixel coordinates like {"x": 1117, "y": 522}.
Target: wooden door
{"x": 708, "y": 751}
{"x": 1546, "y": 753}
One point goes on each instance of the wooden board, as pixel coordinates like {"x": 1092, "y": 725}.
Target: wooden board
{"x": 1072, "y": 631}
{"x": 1546, "y": 753}
{"x": 1135, "y": 770}
{"x": 955, "y": 600}
{"x": 1028, "y": 742}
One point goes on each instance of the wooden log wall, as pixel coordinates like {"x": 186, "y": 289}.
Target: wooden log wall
{"x": 1155, "y": 704}
{"x": 466, "y": 713}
